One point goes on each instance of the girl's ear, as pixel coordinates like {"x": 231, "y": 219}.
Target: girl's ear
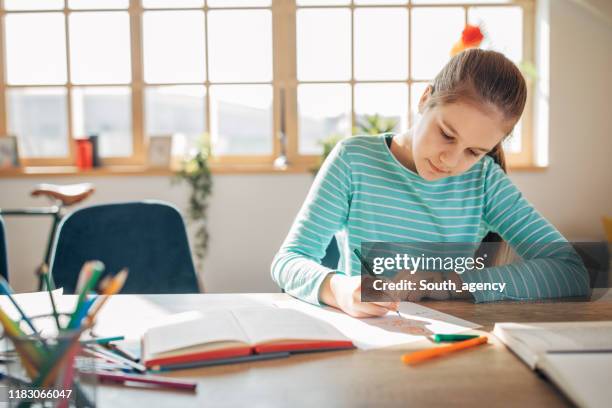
{"x": 425, "y": 98}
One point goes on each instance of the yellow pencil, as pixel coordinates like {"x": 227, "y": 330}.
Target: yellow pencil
{"x": 111, "y": 288}
{"x": 423, "y": 355}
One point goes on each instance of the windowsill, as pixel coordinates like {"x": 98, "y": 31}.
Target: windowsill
{"x": 134, "y": 170}
{"x": 60, "y": 171}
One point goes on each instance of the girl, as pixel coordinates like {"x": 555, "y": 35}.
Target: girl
{"x": 443, "y": 181}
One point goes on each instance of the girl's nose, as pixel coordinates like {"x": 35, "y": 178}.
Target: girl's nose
{"x": 450, "y": 159}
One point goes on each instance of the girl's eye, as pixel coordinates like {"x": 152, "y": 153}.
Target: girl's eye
{"x": 474, "y": 153}
{"x": 447, "y": 137}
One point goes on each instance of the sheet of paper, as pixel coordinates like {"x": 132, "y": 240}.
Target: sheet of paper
{"x": 265, "y": 324}
{"x": 416, "y": 321}
{"x": 36, "y": 305}
{"x": 583, "y": 377}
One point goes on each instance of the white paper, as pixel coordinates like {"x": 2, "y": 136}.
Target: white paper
{"x": 583, "y": 377}
{"x": 369, "y": 333}
{"x": 541, "y": 337}
{"x": 211, "y": 327}
{"x": 265, "y": 324}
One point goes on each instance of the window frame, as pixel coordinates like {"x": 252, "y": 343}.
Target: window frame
{"x": 284, "y": 84}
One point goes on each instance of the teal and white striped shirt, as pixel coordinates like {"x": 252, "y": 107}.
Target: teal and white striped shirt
{"x": 363, "y": 193}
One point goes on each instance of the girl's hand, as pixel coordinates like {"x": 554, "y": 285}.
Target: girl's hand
{"x": 344, "y": 292}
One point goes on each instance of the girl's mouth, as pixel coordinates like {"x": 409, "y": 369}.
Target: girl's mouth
{"x": 436, "y": 169}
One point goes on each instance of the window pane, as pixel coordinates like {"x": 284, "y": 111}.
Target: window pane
{"x": 38, "y": 117}
{"x": 243, "y": 55}
{"x": 323, "y": 110}
{"x": 416, "y": 91}
{"x": 380, "y": 1}
{"x": 176, "y": 110}
{"x": 323, "y": 44}
{"x": 513, "y": 143}
{"x": 172, "y": 3}
{"x": 33, "y": 4}
{"x": 503, "y": 28}
{"x": 241, "y": 119}
{"x": 322, "y": 2}
{"x": 99, "y": 55}
{"x": 174, "y": 46}
{"x": 106, "y": 112}
{"x": 434, "y": 31}
{"x": 389, "y": 101}
{"x": 98, "y": 4}
{"x": 238, "y": 3}
{"x": 381, "y": 43}
{"x": 460, "y": 1}
{"x": 34, "y": 41}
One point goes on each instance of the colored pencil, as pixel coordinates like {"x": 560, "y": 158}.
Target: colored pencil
{"x": 161, "y": 382}
{"x": 423, "y": 355}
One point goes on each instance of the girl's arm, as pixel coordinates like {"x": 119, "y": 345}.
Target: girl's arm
{"x": 551, "y": 268}
{"x": 297, "y": 266}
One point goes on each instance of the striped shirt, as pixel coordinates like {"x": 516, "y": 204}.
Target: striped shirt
{"x": 363, "y": 193}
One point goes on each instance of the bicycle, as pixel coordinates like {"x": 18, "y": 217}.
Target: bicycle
{"x": 63, "y": 196}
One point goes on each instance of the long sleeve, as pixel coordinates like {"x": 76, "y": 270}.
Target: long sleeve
{"x": 297, "y": 266}
{"x": 549, "y": 268}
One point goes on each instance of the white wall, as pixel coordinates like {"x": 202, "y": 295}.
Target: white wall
{"x": 250, "y": 214}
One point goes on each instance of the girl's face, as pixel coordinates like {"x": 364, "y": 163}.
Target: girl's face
{"x": 450, "y": 138}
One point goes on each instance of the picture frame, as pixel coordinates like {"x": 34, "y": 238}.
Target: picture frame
{"x": 9, "y": 152}
{"x": 159, "y": 151}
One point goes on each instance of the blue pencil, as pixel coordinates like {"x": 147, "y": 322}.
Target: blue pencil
{"x": 5, "y": 289}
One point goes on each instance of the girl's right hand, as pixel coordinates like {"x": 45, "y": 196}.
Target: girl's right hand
{"x": 344, "y": 293}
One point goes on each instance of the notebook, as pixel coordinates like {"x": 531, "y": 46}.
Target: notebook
{"x": 576, "y": 356}
{"x": 228, "y": 335}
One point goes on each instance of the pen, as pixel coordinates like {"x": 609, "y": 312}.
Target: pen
{"x": 370, "y": 271}
{"x": 161, "y": 382}
{"x": 423, "y": 355}
{"x": 102, "y": 340}
{"x": 438, "y": 338}
{"x": 100, "y": 351}
{"x": 122, "y": 352}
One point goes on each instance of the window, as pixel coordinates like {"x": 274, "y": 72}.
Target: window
{"x": 243, "y": 71}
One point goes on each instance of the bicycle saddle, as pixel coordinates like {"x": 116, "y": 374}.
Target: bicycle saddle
{"x": 68, "y": 194}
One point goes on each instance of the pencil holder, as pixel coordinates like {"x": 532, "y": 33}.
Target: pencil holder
{"x": 49, "y": 369}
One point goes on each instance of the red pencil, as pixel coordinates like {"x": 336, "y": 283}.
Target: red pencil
{"x": 161, "y": 382}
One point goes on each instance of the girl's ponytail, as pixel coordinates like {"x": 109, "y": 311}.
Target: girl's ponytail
{"x": 502, "y": 253}
{"x": 492, "y": 80}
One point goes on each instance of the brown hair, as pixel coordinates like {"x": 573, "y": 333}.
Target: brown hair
{"x": 490, "y": 80}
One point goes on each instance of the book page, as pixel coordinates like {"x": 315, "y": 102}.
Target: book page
{"x": 583, "y": 377}
{"x": 541, "y": 337}
{"x": 415, "y": 322}
{"x": 192, "y": 329}
{"x": 269, "y": 324}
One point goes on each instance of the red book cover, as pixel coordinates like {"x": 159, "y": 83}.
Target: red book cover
{"x": 303, "y": 346}
{"x": 201, "y": 356}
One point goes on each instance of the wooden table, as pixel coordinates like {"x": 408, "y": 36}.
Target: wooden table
{"x": 489, "y": 375}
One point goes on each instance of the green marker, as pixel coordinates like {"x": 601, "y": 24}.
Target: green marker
{"x": 438, "y": 338}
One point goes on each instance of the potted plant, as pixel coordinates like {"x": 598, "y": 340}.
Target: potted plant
{"x": 195, "y": 172}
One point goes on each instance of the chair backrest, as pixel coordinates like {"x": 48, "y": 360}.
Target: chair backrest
{"x": 3, "y": 252}
{"x": 148, "y": 238}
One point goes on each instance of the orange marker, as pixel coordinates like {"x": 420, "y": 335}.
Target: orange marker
{"x": 418, "y": 356}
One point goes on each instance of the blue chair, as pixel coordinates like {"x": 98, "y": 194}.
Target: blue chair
{"x": 3, "y": 256}
{"x": 148, "y": 238}
{"x": 332, "y": 255}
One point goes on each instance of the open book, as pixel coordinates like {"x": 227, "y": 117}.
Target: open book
{"x": 235, "y": 335}
{"x": 576, "y": 356}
